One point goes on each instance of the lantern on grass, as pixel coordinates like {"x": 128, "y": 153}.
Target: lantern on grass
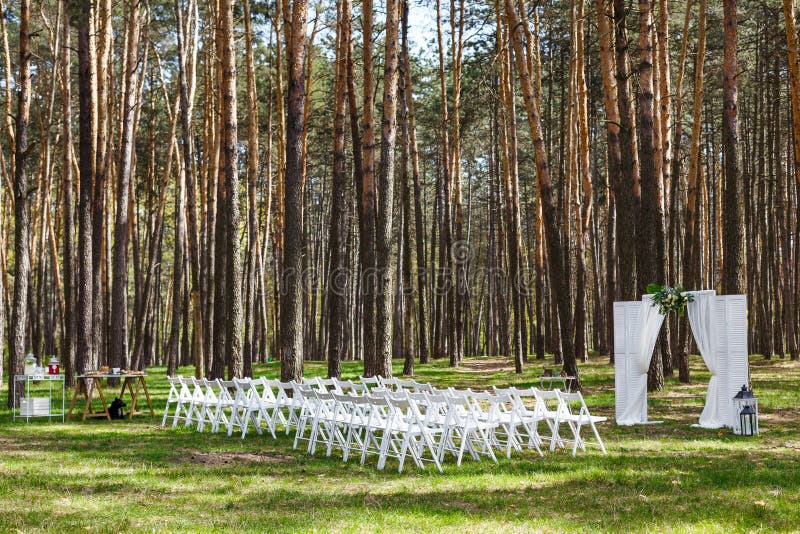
{"x": 745, "y": 405}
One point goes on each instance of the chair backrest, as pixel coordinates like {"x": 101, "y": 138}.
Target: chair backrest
{"x": 370, "y": 381}
{"x": 409, "y": 385}
{"x": 329, "y": 384}
{"x": 567, "y": 400}
{"x": 186, "y": 386}
{"x": 245, "y": 391}
{"x": 211, "y": 388}
{"x": 358, "y": 389}
{"x": 198, "y": 388}
{"x": 547, "y": 401}
{"x": 227, "y": 390}
{"x": 421, "y": 387}
{"x": 388, "y": 383}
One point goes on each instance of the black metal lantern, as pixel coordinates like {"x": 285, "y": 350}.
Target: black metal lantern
{"x": 748, "y": 423}
{"x": 746, "y": 407}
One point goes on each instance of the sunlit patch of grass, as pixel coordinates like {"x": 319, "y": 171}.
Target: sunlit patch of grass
{"x": 671, "y": 477}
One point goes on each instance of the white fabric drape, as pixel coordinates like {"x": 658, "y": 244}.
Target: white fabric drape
{"x": 650, "y": 321}
{"x": 701, "y": 319}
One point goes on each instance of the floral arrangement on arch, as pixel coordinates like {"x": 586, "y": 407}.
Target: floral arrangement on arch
{"x": 670, "y": 299}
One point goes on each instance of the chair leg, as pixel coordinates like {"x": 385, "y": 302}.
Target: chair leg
{"x": 176, "y": 415}
{"x": 403, "y": 451}
{"x": 166, "y": 412}
{"x": 599, "y": 441}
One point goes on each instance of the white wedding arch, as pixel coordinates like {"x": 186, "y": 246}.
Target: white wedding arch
{"x": 719, "y": 326}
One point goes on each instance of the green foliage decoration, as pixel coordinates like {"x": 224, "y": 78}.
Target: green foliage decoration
{"x": 670, "y": 299}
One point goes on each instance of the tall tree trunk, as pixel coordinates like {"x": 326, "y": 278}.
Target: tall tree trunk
{"x": 613, "y": 156}
{"x": 84, "y": 356}
{"x": 68, "y": 333}
{"x": 385, "y": 301}
{"x": 419, "y": 228}
{"x": 627, "y": 192}
{"x": 733, "y": 278}
{"x": 337, "y": 237}
{"x": 691, "y": 259}
{"x": 250, "y": 352}
{"x": 406, "y": 287}
{"x": 24, "y": 191}
{"x": 119, "y": 302}
{"x": 650, "y": 214}
{"x": 555, "y": 250}
{"x": 444, "y": 178}
{"x": 187, "y": 63}
{"x": 230, "y": 174}
{"x": 291, "y": 283}
{"x": 789, "y": 10}
{"x": 460, "y": 253}
{"x": 585, "y": 213}
{"x": 367, "y": 219}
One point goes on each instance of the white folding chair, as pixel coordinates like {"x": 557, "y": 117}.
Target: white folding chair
{"x": 173, "y": 397}
{"x": 305, "y": 405}
{"x": 526, "y": 419}
{"x": 357, "y": 423}
{"x": 331, "y": 385}
{"x": 426, "y": 429}
{"x": 377, "y": 428}
{"x": 575, "y": 421}
{"x": 183, "y": 402}
{"x": 389, "y": 383}
{"x": 420, "y": 387}
{"x": 260, "y": 405}
{"x": 404, "y": 385}
{"x": 193, "y": 411}
{"x": 464, "y": 429}
{"x": 287, "y": 402}
{"x": 210, "y": 403}
{"x": 241, "y": 402}
{"x": 546, "y": 409}
{"x": 503, "y": 414}
{"x": 323, "y": 423}
{"x": 370, "y": 381}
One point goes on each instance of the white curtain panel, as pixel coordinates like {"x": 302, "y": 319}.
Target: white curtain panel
{"x": 650, "y": 321}
{"x": 701, "y": 320}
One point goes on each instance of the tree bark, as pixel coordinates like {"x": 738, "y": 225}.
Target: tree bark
{"x": 337, "y": 282}
{"x": 119, "y": 302}
{"x": 627, "y": 192}
{"x": 367, "y": 219}
{"x": 291, "y": 283}
{"x": 187, "y": 63}
{"x": 250, "y": 350}
{"x": 385, "y": 219}
{"x": 67, "y": 179}
{"x": 230, "y": 174}
{"x": 24, "y": 190}
{"x": 419, "y": 227}
{"x": 555, "y": 251}
{"x": 650, "y": 214}
{"x": 733, "y": 240}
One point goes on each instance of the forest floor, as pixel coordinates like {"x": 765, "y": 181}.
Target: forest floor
{"x": 133, "y": 476}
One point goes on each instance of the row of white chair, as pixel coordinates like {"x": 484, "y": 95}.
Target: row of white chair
{"x": 231, "y": 404}
{"x": 388, "y": 417}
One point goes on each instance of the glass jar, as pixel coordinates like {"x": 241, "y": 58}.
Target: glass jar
{"x": 53, "y": 368}
{"x": 30, "y": 364}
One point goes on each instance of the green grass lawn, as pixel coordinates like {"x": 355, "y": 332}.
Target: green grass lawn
{"x": 133, "y": 476}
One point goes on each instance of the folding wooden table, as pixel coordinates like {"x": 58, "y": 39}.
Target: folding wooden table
{"x": 88, "y": 384}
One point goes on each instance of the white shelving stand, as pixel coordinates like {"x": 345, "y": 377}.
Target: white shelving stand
{"x": 33, "y": 403}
